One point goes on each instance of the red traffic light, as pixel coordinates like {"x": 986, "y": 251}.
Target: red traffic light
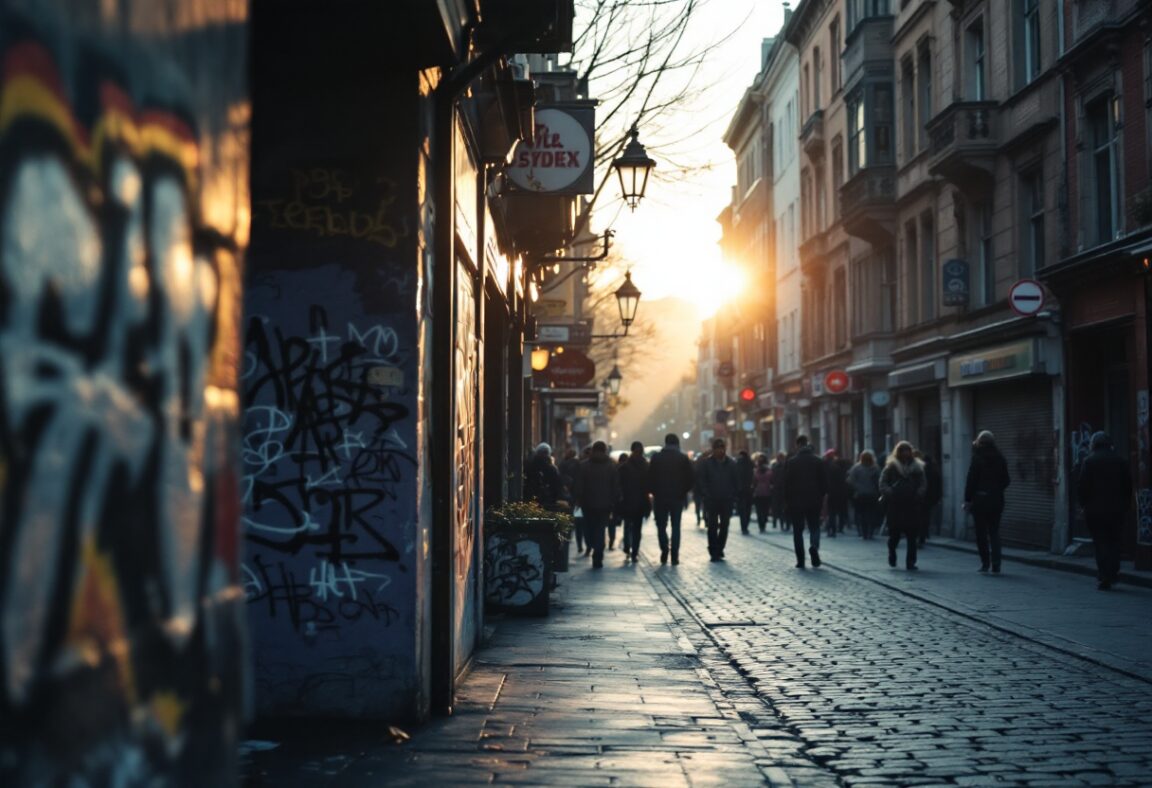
{"x": 747, "y": 394}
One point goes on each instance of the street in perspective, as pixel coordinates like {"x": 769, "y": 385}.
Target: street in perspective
{"x": 575, "y": 392}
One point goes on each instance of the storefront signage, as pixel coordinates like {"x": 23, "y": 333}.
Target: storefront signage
{"x": 564, "y": 334}
{"x": 570, "y": 370}
{"x": 560, "y": 160}
{"x": 880, "y": 398}
{"x": 998, "y": 363}
{"x": 549, "y": 307}
{"x": 955, "y": 283}
{"x": 836, "y": 381}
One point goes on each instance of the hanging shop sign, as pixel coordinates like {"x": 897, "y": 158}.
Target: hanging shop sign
{"x": 571, "y": 370}
{"x": 560, "y": 159}
{"x": 955, "y": 283}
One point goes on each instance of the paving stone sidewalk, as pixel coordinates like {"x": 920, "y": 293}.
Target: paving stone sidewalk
{"x": 606, "y": 690}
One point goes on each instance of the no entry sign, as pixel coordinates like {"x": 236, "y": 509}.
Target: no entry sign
{"x": 1026, "y": 297}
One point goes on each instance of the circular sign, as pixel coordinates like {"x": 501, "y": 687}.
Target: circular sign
{"x": 725, "y": 369}
{"x": 1026, "y": 297}
{"x": 571, "y": 370}
{"x": 836, "y": 381}
{"x": 560, "y": 155}
{"x": 748, "y": 425}
{"x": 747, "y": 394}
{"x": 880, "y": 399}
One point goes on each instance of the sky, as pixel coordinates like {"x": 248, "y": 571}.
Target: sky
{"x": 671, "y": 240}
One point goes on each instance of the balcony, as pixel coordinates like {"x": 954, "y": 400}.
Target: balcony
{"x": 868, "y": 200}
{"x": 964, "y": 139}
{"x": 812, "y": 252}
{"x": 812, "y": 136}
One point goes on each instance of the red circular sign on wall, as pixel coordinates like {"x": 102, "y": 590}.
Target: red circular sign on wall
{"x": 748, "y": 394}
{"x": 836, "y": 381}
{"x": 571, "y": 370}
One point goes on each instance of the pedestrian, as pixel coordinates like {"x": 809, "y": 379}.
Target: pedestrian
{"x": 805, "y": 487}
{"x": 720, "y": 484}
{"x": 542, "y": 480}
{"x": 698, "y": 497}
{"x": 864, "y": 481}
{"x": 838, "y": 491}
{"x": 779, "y": 513}
{"x": 670, "y": 478}
{"x": 745, "y": 476}
{"x": 617, "y": 518}
{"x": 634, "y": 505}
{"x": 932, "y": 497}
{"x": 1104, "y": 490}
{"x": 903, "y": 485}
{"x": 984, "y": 497}
{"x": 762, "y": 492}
{"x": 597, "y": 494}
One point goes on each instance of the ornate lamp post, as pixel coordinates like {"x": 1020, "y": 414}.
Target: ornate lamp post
{"x": 633, "y": 167}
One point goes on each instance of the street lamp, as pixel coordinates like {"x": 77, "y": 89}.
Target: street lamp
{"x": 628, "y": 299}
{"x": 614, "y": 380}
{"x": 633, "y": 167}
{"x": 540, "y": 358}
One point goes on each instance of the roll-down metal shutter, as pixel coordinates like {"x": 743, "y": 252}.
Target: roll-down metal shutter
{"x": 1019, "y": 414}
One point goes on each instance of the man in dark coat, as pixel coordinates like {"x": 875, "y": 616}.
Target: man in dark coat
{"x": 542, "y": 479}
{"x": 746, "y": 476}
{"x": 670, "y": 479}
{"x": 634, "y": 504}
{"x": 838, "y": 492}
{"x": 720, "y": 484}
{"x": 932, "y": 497}
{"x": 805, "y": 485}
{"x": 984, "y": 497}
{"x": 1105, "y": 489}
{"x": 597, "y": 494}
{"x": 698, "y": 489}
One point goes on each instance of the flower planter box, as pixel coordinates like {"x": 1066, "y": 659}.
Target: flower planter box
{"x": 519, "y": 556}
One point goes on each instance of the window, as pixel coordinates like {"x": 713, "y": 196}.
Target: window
{"x": 924, "y": 94}
{"x": 1027, "y": 41}
{"x": 840, "y": 315}
{"x": 984, "y": 274}
{"x": 1032, "y": 224}
{"x": 1101, "y": 117}
{"x": 805, "y": 203}
{"x": 908, "y": 101}
{"x": 911, "y": 259}
{"x": 837, "y": 175}
{"x": 834, "y": 49}
{"x": 859, "y": 10}
{"x": 881, "y": 131}
{"x": 805, "y": 90}
{"x": 974, "y": 51}
{"x": 857, "y": 143}
{"x": 818, "y": 196}
{"x": 817, "y": 67}
{"x": 928, "y": 270}
{"x": 888, "y": 285}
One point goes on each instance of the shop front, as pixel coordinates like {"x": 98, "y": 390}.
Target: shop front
{"x": 1010, "y": 390}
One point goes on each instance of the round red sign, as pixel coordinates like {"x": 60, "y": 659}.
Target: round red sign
{"x": 571, "y": 370}
{"x": 836, "y": 381}
{"x": 748, "y": 394}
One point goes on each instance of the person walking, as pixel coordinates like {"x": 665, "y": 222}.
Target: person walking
{"x": 1105, "y": 490}
{"x": 745, "y": 476}
{"x": 779, "y": 513}
{"x": 720, "y": 483}
{"x": 837, "y": 491}
{"x": 932, "y": 497}
{"x": 698, "y": 490}
{"x": 670, "y": 478}
{"x": 805, "y": 487}
{"x": 984, "y": 497}
{"x": 569, "y": 468}
{"x": 597, "y": 494}
{"x": 542, "y": 480}
{"x": 903, "y": 485}
{"x": 762, "y": 492}
{"x": 617, "y": 518}
{"x": 634, "y": 505}
{"x": 864, "y": 482}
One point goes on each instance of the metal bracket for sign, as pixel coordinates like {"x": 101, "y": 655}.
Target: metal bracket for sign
{"x": 552, "y": 258}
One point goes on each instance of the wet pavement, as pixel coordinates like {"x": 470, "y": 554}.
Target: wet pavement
{"x": 752, "y": 672}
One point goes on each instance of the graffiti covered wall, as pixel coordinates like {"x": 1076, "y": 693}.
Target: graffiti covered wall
{"x": 332, "y": 558}
{"x": 123, "y": 161}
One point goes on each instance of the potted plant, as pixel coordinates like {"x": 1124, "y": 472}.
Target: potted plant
{"x": 524, "y": 545}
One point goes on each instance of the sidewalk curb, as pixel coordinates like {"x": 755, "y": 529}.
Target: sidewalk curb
{"x": 1048, "y": 561}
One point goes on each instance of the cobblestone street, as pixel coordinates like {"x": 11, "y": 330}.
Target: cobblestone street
{"x": 752, "y": 672}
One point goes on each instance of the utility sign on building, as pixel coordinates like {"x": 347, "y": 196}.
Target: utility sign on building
{"x": 559, "y": 161}
{"x": 1026, "y": 297}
